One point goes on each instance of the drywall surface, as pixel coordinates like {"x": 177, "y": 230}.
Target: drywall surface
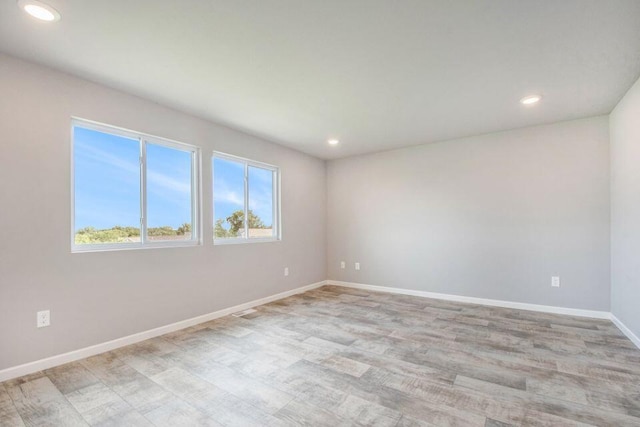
{"x": 96, "y": 297}
{"x": 624, "y": 123}
{"x": 493, "y": 216}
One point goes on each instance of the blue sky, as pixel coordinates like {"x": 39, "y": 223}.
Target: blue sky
{"x": 107, "y": 184}
{"x": 228, "y": 181}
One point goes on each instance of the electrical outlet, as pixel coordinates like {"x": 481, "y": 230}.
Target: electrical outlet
{"x": 357, "y": 266}
{"x": 43, "y": 318}
{"x": 555, "y": 281}
{"x": 343, "y": 264}
{"x": 286, "y": 271}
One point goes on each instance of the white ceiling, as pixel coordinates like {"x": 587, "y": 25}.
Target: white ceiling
{"x": 377, "y": 74}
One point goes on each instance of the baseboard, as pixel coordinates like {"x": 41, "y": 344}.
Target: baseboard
{"x": 50, "y": 362}
{"x": 481, "y": 301}
{"x": 623, "y": 328}
{"x": 61, "y": 359}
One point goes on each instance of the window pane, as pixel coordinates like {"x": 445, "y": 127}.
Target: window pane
{"x": 169, "y": 203}
{"x": 260, "y": 202}
{"x": 228, "y": 198}
{"x": 107, "y": 188}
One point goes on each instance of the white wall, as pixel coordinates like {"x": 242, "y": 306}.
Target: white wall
{"x": 95, "y": 297}
{"x": 491, "y": 216}
{"x": 624, "y": 125}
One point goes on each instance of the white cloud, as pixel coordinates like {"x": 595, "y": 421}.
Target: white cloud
{"x": 161, "y": 183}
{"x": 168, "y": 183}
{"x": 222, "y": 193}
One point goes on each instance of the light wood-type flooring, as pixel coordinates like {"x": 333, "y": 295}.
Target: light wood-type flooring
{"x": 336, "y": 356}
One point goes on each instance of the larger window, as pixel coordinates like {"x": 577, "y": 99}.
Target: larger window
{"x": 132, "y": 190}
{"x": 245, "y": 200}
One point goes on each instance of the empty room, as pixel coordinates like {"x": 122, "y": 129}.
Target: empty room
{"x": 320, "y": 213}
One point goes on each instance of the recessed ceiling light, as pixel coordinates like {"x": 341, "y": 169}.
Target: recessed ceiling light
{"x": 39, "y": 10}
{"x": 531, "y": 99}
{"x": 333, "y": 142}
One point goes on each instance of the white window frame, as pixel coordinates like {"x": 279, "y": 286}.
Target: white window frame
{"x": 277, "y": 217}
{"x": 143, "y": 140}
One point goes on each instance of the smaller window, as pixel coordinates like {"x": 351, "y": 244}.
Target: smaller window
{"x": 245, "y": 200}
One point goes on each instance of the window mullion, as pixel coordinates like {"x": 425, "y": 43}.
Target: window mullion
{"x": 246, "y": 200}
{"x": 195, "y": 193}
{"x": 275, "y": 220}
{"x": 143, "y": 191}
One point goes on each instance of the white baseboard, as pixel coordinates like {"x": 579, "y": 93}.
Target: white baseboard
{"x": 481, "y": 301}
{"x": 633, "y": 337}
{"x": 498, "y": 303}
{"x": 38, "y": 365}
{"x": 61, "y": 359}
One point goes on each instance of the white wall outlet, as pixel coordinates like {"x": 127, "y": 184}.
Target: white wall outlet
{"x": 555, "y": 281}
{"x": 286, "y": 271}
{"x": 357, "y": 266}
{"x": 343, "y": 264}
{"x": 43, "y": 318}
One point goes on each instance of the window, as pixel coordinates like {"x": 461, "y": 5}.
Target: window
{"x": 132, "y": 190}
{"x": 245, "y": 200}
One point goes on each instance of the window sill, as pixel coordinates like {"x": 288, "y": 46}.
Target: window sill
{"x": 77, "y": 249}
{"x": 239, "y": 241}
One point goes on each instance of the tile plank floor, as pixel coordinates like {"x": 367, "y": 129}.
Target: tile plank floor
{"x": 336, "y": 356}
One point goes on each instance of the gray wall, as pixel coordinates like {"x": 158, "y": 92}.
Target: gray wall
{"x": 95, "y": 297}
{"x": 492, "y": 216}
{"x": 624, "y": 125}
